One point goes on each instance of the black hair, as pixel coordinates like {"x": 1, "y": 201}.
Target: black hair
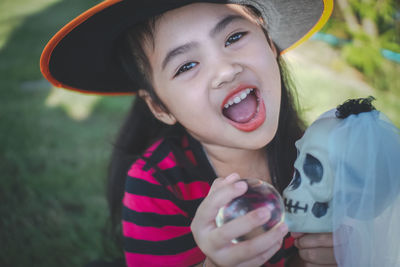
{"x": 141, "y": 128}
{"x": 354, "y": 106}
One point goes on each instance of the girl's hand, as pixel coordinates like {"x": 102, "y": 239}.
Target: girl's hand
{"x": 315, "y": 249}
{"x": 216, "y": 242}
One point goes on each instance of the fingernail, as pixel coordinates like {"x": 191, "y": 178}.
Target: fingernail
{"x": 240, "y": 185}
{"x": 231, "y": 177}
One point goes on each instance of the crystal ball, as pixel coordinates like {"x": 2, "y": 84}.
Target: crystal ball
{"x": 259, "y": 194}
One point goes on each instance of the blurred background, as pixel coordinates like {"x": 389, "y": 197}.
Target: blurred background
{"x": 55, "y": 144}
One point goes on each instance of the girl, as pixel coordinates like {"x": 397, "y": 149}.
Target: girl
{"x": 213, "y": 101}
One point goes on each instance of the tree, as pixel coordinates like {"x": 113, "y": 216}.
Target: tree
{"x": 370, "y": 26}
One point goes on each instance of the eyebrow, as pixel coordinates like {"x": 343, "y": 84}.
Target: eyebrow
{"x": 219, "y": 27}
{"x": 223, "y": 23}
{"x": 177, "y": 51}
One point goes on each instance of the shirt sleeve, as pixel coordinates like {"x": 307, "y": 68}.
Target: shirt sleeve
{"x": 156, "y": 230}
{"x": 287, "y": 251}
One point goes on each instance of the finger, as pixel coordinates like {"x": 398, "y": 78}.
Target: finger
{"x": 296, "y": 235}
{"x": 233, "y": 177}
{"x": 257, "y": 250}
{"x": 209, "y": 207}
{"x": 248, "y": 249}
{"x": 220, "y": 182}
{"x": 314, "y": 241}
{"x": 262, "y": 258}
{"x": 318, "y": 255}
{"x": 248, "y": 224}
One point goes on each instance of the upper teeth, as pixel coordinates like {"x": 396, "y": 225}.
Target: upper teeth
{"x": 239, "y": 97}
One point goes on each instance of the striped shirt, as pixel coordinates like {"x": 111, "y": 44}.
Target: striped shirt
{"x": 160, "y": 201}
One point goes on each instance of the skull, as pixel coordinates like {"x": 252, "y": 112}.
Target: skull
{"x": 308, "y": 197}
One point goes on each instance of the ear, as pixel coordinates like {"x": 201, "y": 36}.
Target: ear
{"x": 157, "y": 111}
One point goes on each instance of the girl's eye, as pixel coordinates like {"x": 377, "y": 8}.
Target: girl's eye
{"x": 185, "y": 67}
{"x": 234, "y": 38}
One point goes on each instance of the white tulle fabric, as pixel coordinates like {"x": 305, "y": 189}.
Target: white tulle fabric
{"x": 365, "y": 150}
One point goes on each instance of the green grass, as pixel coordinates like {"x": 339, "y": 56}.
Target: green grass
{"x": 324, "y": 81}
{"x": 54, "y": 145}
{"x": 54, "y": 148}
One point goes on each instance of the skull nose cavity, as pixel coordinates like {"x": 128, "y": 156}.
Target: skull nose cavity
{"x": 296, "y": 181}
{"x": 319, "y": 209}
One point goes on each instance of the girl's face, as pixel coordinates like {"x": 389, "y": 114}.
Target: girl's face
{"x": 216, "y": 73}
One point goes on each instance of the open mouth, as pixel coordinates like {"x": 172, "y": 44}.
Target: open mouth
{"x": 244, "y": 109}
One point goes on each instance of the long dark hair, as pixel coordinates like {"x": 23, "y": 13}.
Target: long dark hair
{"x": 141, "y": 128}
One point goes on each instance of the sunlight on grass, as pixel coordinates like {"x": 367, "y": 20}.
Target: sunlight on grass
{"x": 324, "y": 81}
{"x": 77, "y": 106}
{"x": 14, "y": 12}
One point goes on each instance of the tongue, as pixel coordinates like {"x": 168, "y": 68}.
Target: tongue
{"x": 244, "y": 111}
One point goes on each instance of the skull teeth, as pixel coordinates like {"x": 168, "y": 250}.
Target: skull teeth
{"x": 293, "y": 208}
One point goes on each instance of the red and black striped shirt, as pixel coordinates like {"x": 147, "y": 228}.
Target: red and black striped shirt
{"x": 160, "y": 201}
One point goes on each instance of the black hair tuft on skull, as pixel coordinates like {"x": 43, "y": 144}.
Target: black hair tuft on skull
{"x": 354, "y": 106}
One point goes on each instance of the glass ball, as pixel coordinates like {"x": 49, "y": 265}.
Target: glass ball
{"x": 259, "y": 194}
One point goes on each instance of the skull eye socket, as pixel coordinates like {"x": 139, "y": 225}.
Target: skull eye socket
{"x": 313, "y": 169}
{"x": 295, "y": 183}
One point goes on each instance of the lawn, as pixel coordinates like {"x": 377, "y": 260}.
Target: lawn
{"x": 54, "y": 148}
{"x": 55, "y": 145}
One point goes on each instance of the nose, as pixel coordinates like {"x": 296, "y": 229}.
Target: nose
{"x": 225, "y": 72}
